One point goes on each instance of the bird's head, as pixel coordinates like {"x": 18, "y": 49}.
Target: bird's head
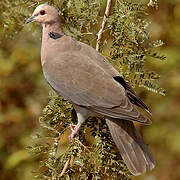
{"x": 44, "y": 14}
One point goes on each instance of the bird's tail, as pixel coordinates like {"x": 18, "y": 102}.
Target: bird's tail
{"x": 131, "y": 146}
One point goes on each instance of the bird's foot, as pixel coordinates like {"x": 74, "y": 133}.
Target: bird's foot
{"x": 74, "y": 131}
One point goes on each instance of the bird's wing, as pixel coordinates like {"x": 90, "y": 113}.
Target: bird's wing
{"x": 107, "y": 66}
{"x": 131, "y": 94}
{"x": 85, "y": 81}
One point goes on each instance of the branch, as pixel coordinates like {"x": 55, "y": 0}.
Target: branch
{"x": 81, "y": 144}
{"x": 65, "y": 167}
{"x": 107, "y": 12}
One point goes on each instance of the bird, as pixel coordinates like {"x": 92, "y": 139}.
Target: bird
{"x": 82, "y": 75}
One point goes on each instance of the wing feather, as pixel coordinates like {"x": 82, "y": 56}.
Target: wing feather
{"x": 86, "y": 78}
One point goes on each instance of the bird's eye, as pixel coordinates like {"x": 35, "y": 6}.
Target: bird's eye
{"x": 42, "y": 12}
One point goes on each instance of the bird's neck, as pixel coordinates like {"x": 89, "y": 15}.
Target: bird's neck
{"x": 47, "y": 29}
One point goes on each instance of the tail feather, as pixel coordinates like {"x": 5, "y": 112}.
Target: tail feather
{"x": 131, "y": 146}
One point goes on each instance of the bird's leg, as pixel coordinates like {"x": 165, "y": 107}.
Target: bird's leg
{"x": 81, "y": 119}
{"x": 82, "y": 115}
{"x": 74, "y": 130}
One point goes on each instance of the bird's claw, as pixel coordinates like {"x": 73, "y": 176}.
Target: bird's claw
{"x": 74, "y": 131}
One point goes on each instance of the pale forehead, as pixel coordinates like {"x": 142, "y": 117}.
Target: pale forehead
{"x": 38, "y": 8}
{"x": 44, "y": 7}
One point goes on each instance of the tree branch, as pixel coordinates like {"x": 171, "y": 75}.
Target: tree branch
{"x": 107, "y": 12}
{"x": 65, "y": 167}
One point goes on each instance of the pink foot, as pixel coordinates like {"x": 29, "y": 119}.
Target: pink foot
{"x": 74, "y": 131}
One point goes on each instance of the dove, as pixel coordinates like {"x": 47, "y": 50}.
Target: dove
{"x": 88, "y": 80}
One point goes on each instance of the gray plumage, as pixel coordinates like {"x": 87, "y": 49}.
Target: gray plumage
{"x": 79, "y": 73}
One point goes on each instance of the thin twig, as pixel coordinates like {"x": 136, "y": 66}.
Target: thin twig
{"x": 32, "y": 5}
{"x": 80, "y": 143}
{"x": 65, "y": 167}
{"x": 53, "y": 154}
{"x": 106, "y": 15}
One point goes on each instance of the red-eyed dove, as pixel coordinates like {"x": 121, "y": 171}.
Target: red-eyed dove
{"x": 80, "y": 74}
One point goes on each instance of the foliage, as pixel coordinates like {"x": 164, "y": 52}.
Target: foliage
{"x": 119, "y": 45}
{"x": 22, "y": 91}
{"x": 96, "y": 159}
{"x": 132, "y": 46}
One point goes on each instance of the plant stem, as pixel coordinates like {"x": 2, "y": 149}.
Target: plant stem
{"x": 106, "y": 14}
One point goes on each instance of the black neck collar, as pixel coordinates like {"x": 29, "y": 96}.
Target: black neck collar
{"x": 55, "y": 35}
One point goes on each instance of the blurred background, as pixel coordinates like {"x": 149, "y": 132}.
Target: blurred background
{"x": 24, "y": 93}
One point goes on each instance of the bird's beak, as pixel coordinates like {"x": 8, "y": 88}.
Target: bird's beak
{"x": 31, "y": 19}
